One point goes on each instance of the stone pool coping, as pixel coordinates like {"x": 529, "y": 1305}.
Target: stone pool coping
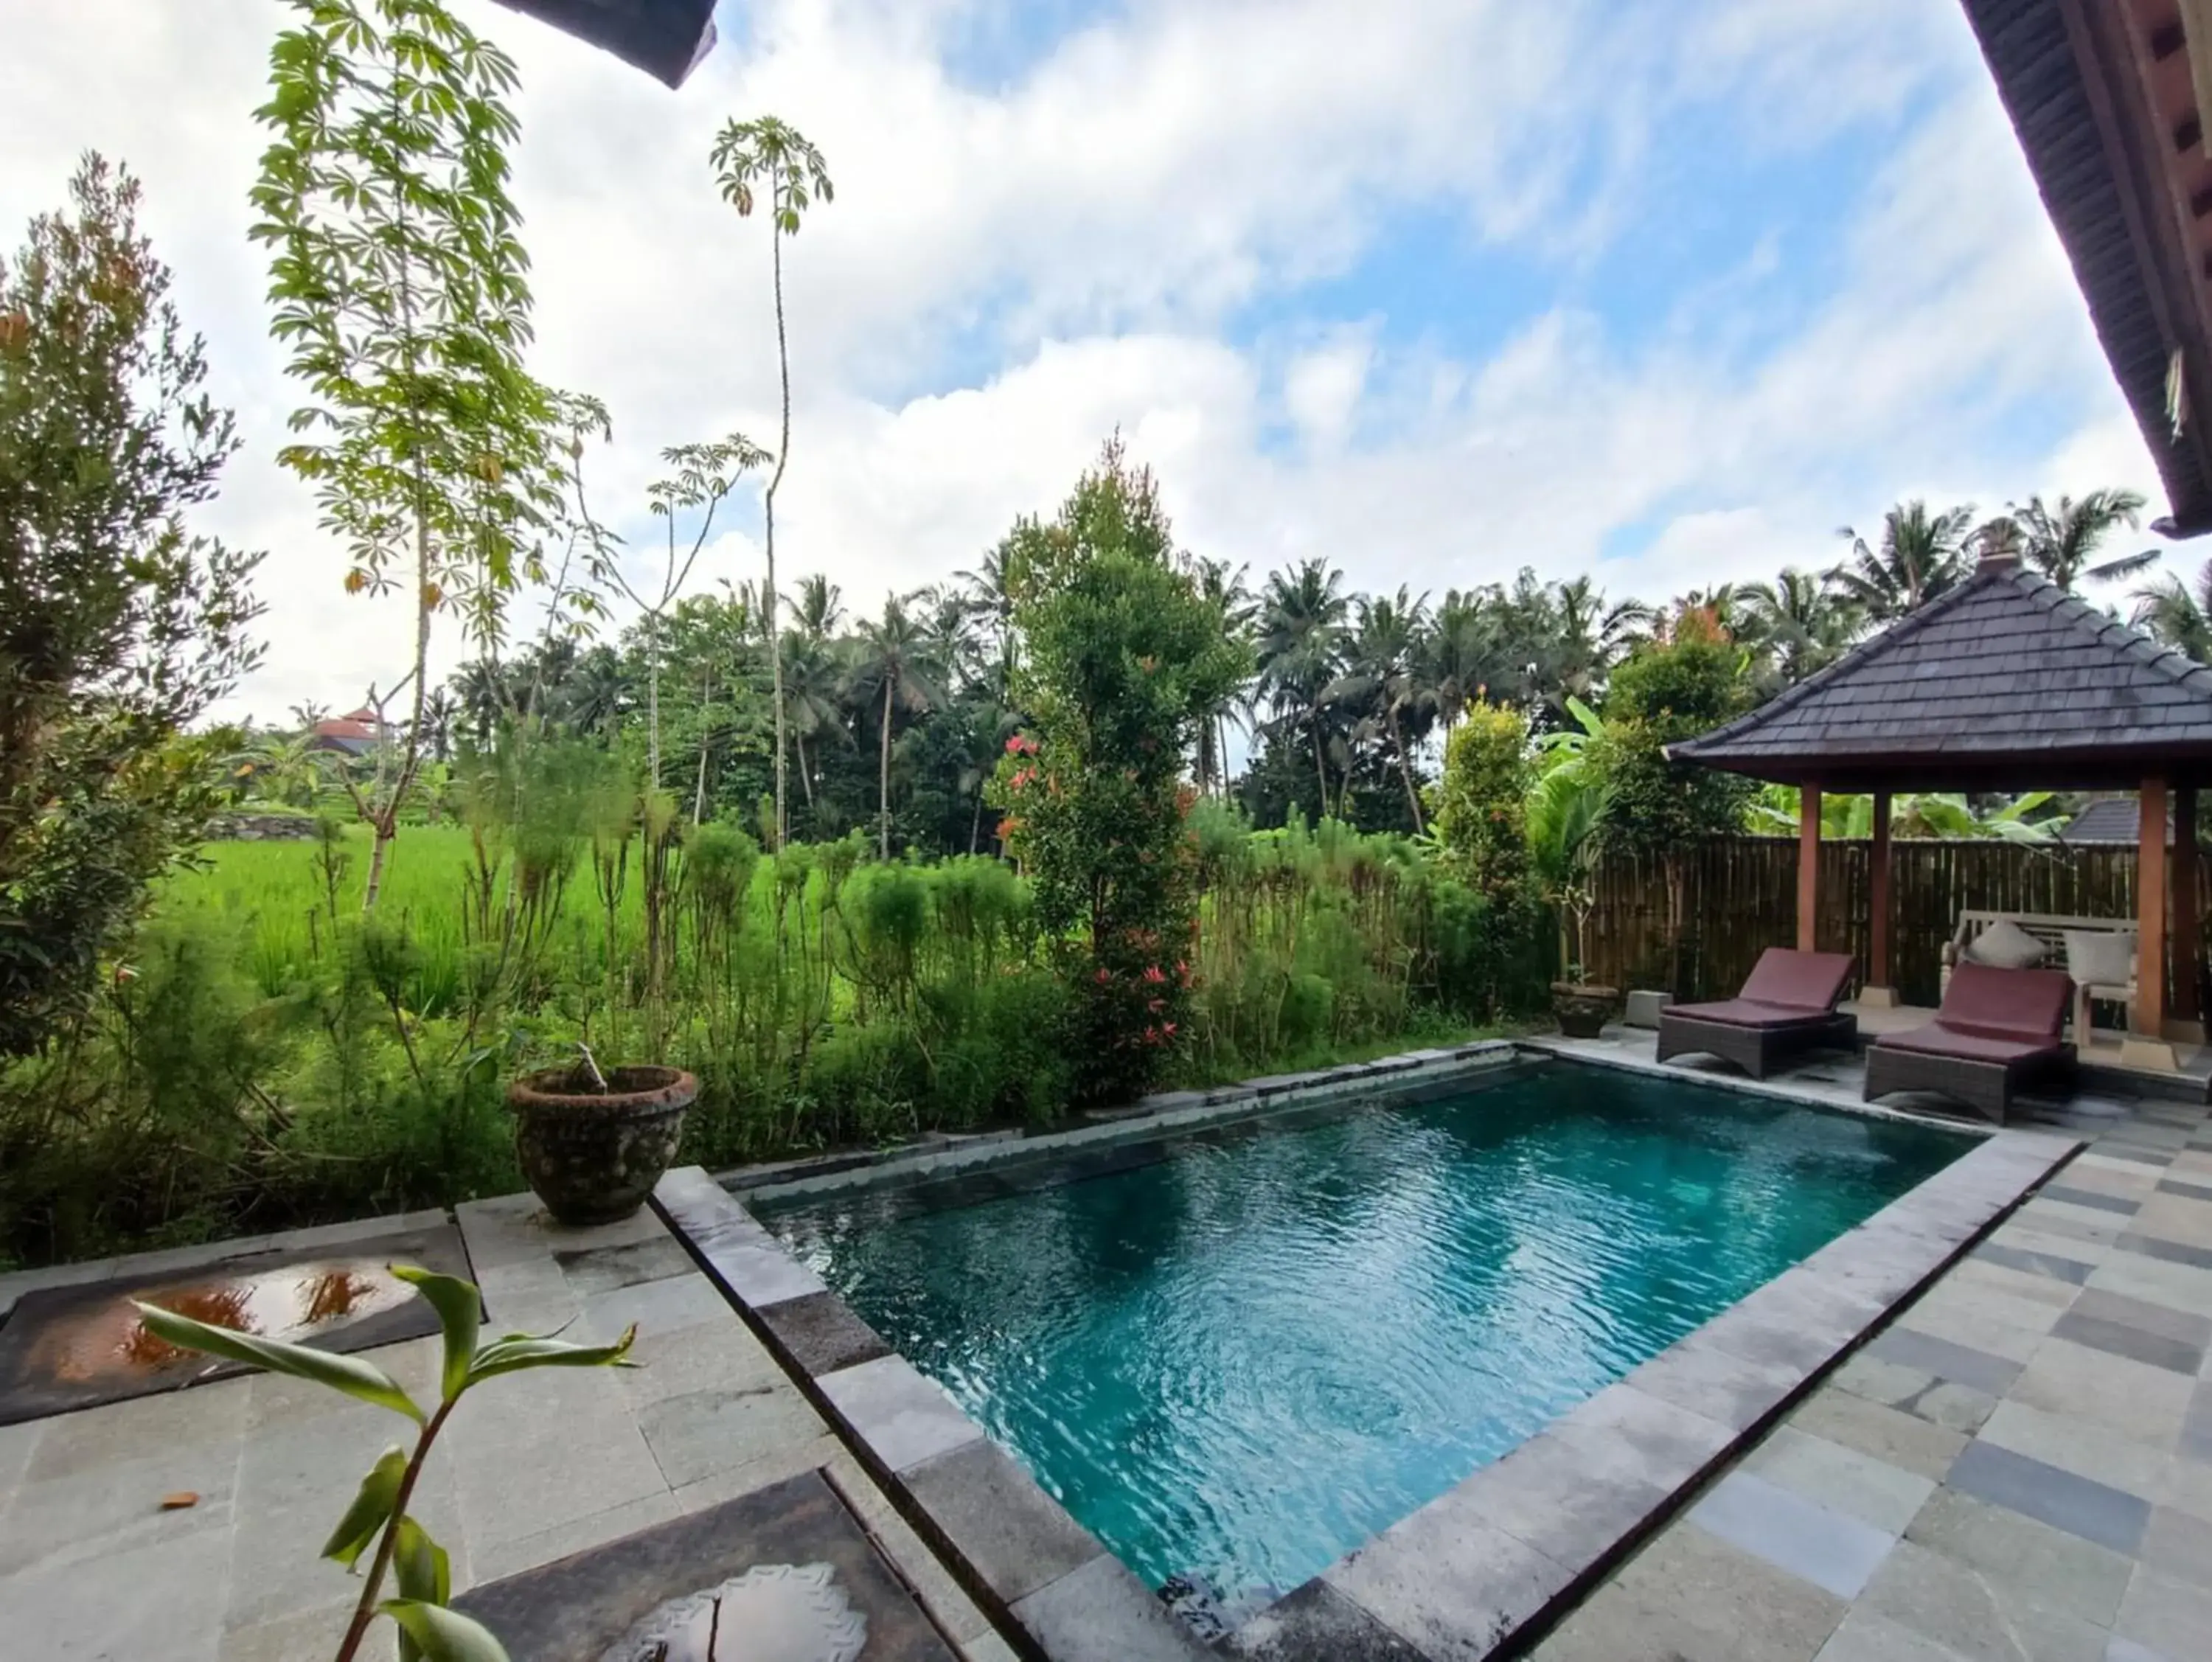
{"x": 1493, "y": 1560}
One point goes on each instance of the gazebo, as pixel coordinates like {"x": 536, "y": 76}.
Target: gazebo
{"x": 2005, "y": 683}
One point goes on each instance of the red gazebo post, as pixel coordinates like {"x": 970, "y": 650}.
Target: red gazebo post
{"x": 1877, "y": 993}
{"x": 2145, "y": 1044}
{"x": 2187, "y": 1014}
{"x": 1809, "y": 867}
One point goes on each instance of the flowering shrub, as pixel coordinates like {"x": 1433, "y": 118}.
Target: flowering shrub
{"x": 1122, "y": 657}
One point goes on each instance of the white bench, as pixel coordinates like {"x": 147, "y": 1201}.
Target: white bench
{"x": 2050, "y": 928}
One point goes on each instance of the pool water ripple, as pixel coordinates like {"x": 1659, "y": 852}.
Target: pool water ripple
{"x": 1238, "y": 1363}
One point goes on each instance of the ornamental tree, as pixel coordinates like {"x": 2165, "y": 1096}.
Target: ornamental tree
{"x": 1121, "y": 660}
{"x": 116, "y": 626}
{"x": 398, "y": 280}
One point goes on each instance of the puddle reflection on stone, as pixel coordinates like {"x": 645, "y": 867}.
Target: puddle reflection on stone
{"x": 298, "y": 1301}
{"x": 772, "y": 1613}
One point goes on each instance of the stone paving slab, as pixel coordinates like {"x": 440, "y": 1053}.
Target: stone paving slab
{"x": 2048, "y": 1401}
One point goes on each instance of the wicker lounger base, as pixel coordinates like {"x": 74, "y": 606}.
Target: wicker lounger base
{"x": 1757, "y": 1051}
{"x": 1985, "y": 1086}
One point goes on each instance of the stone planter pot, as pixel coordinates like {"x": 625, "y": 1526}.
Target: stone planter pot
{"x": 593, "y": 1156}
{"x": 1582, "y": 1011}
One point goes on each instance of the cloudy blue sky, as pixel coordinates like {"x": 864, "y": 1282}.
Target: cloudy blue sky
{"x": 1664, "y": 289}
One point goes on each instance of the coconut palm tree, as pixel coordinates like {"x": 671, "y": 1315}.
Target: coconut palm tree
{"x": 1231, "y": 598}
{"x": 894, "y": 667}
{"x": 2062, "y": 542}
{"x": 1301, "y": 644}
{"x": 1384, "y": 682}
{"x": 990, "y": 590}
{"x": 1462, "y": 653}
{"x": 818, "y": 608}
{"x": 1921, "y": 555}
{"x": 2178, "y": 613}
{"x": 1799, "y": 622}
{"x": 813, "y": 679}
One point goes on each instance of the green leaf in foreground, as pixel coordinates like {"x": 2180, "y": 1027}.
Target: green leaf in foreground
{"x": 443, "y": 1635}
{"x": 355, "y": 1376}
{"x": 459, "y": 1310}
{"x": 521, "y": 1350}
{"x": 371, "y": 1509}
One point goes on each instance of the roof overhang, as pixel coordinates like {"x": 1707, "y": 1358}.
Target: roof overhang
{"x": 2005, "y": 775}
{"x": 664, "y": 38}
{"x": 2108, "y": 112}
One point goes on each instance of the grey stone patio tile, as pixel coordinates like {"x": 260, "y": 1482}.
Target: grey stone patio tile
{"x": 1983, "y": 1320}
{"x": 274, "y": 1403}
{"x": 2196, "y": 1191}
{"x": 1570, "y": 1498}
{"x": 1866, "y": 1637}
{"x": 2066, "y": 1194}
{"x": 2117, "y": 1649}
{"x": 113, "y": 1509}
{"x": 2131, "y": 1397}
{"x": 275, "y": 1569}
{"x": 2195, "y": 1438}
{"x": 947, "y": 1603}
{"x": 664, "y": 1306}
{"x": 1792, "y": 1532}
{"x": 158, "y": 1598}
{"x": 2175, "y": 1218}
{"x": 1983, "y": 1620}
{"x": 1017, "y": 1536}
{"x": 1614, "y": 1626}
{"x": 1959, "y": 1363}
{"x": 2167, "y": 1613}
{"x": 773, "y": 1467}
{"x": 1448, "y": 1582}
{"x": 1735, "y": 1391}
{"x": 2123, "y": 1339}
{"x": 675, "y": 1362}
{"x": 1672, "y": 1444}
{"x": 515, "y": 1486}
{"x": 904, "y": 1417}
{"x": 201, "y": 1416}
{"x": 2181, "y": 1287}
{"x": 1889, "y": 1435}
{"x": 17, "y": 1442}
{"x": 314, "y": 1632}
{"x": 2055, "y": 1567}
{"x": 2102, "y": 1175}
{"x": 531, "y": 1294}
{"x": 988, "y": 1647}
{"x": 822, "y": 1333}
{"x": 1101, "y": 1613}
{"x": 2189, "y": 1328}
{"x": 703, "y": 1431}
{"x": 593, "y": 1529}
{"x": 2081, "y": 1446}
{"x": 595, "y": 1269}
{"x": 1314, "y": 1622}
{"x": 2146, "y": 1245}
{"x": 2085, "y": 1238}
{"x": 1842, "y": 1478}
{"x": 2188, "y": 1486}
{"x": 1697, "y": 1596}
{"x": 2079, "y": 1506}
{"x": 2178, "y": 1543}
{"x": 2010, "y": 1273}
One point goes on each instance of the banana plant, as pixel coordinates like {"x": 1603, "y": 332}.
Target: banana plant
{"x": 428, "y": 1630}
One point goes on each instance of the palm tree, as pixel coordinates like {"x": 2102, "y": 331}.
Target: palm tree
{"x": 2062, "y": 542}
{"x": 1225, "y": 592}
{"x": 820, "y": 607}
{"x": 1301, "y": 648}
{"x": 1383, "y": 678}
{"x": 893, "y": 664}
{"x": 1921, "y": 555}
{"x": 307, "y": 714}
{"x": 1462, "y": 653}
{"x": 2178, "y": 613}
{"x": 990, "y": 591}
{"x": 747, "y": 153}
{"x": 811, "y": 678}
{"x": 1798, "y": 621}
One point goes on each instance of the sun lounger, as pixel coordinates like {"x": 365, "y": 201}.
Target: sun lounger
{"x": 1787, "y": 1006}
{"x": 1997, "y": 1031}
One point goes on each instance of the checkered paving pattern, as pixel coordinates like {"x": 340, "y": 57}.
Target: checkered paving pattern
{"x": 2019, "y": 1468}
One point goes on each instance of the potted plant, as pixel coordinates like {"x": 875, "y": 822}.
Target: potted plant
{"x": 1564, "y": 809}
{"x": 591, "y": 1144}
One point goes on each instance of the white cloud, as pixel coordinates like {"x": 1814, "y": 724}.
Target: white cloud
{"x": 1009, "y": 272}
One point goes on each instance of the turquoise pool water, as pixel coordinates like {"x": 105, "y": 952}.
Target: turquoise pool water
{"x": 1241, "y": 1354}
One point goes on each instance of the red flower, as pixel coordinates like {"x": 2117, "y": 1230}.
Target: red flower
{"x": 1021, "y": 744}
{"x": 1169, "y": 1030}
{"x": 1104, "y": 976}
{"x": 1153, "y": 974}
{"x": 1155, "y": 1004}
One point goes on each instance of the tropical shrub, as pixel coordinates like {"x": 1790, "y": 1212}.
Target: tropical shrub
{"x": 1124, "y": 660}
{"x": 1481, "y": 801}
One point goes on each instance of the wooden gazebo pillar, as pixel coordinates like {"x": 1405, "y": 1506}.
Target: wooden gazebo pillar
{"x": 2187, "y": 1016}
{"x": 1878, "y": 993}
{"x": 1808, "y": 868}
{"x": 2146, "y": 1045}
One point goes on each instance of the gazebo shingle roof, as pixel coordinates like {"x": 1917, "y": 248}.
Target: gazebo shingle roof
{"x": 2005, "y": 682}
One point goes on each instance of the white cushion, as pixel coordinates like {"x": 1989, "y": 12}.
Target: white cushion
{"x": 2101, "y": 958}
{"x": 2005, "y": 946}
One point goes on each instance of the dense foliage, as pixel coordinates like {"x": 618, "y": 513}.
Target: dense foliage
{"x": 117, "y": 625}
{"x": 1122, "y": 661}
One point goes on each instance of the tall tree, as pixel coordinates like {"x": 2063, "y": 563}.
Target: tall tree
{"x": 1798, "y": 622}
{"x": 397, "y": 274}
{"x": 748, "y": 154}
{"x": 1225, "y": 591}
{"x": 2178, "y": 613}
{"x": 1921, "y": 554}
{"x": 895, "y": 669}
{"x": 117, "y": 627}
{"x": 2062, "y": 542}
{"x": 1383, "y": 678}
{"x": 1301, "y": 643}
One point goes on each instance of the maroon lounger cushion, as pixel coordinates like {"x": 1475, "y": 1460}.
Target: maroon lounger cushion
{"x": 1940, "y": 1040}
{"x": 2028, "y": 1003}
{"x": 1784, "y": 986}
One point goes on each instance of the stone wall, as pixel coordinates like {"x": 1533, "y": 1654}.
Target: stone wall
{"x": 259, "y": 828}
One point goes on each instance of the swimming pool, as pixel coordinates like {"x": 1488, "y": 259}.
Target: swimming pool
{"x": 1239, "y": 1354}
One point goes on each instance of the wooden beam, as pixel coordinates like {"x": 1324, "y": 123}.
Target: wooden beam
{"x": 2146, "y": 1021}
{"x": 2188, "y": 930}
{"x": 1808, "y": 868}
{"x": 1877, "y": 989}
